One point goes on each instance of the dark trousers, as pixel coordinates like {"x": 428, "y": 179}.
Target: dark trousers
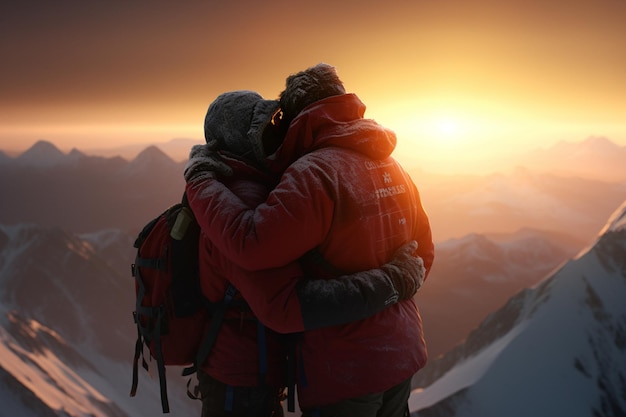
{"x": 221, "y": 400}
{"x": 391, "y": 403}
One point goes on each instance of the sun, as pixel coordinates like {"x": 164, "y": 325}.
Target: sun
{"x": 451, "y": 135}
{"x": 447, "y": 128}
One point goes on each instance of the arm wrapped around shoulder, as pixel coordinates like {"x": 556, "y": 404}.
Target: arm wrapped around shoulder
{"x": 205, "y": 162}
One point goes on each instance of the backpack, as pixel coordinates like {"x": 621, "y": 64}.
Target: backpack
{"x": 171, "y": 314}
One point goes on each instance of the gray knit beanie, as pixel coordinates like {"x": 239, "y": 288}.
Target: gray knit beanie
{"x": 307, "y": 87}
{"x": 236, "y": 120}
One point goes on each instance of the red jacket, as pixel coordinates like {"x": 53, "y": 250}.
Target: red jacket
{"x": 234, "y": 359}
{"x": 347, "y": 197}
{"x": 278, "y": 297}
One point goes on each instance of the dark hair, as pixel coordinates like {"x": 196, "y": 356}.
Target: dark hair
{"x": 308, "y": 86}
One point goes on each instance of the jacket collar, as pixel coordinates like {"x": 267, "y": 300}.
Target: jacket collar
{"x": 336, "y": 121}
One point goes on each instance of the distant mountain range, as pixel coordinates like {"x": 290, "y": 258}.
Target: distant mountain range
{"x": 557, "y": 349}
{"x": 460, "y": 205}
{"x": 177, "y": 149}
{"x": 594, "y": 158}
{"x": 82, "y": 193}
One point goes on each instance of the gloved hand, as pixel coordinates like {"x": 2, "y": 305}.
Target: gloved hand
{"x": 204, "y": 161}
{"x": 406, "y": 271}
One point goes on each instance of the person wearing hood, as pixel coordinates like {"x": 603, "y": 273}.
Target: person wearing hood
{"x": 244, "y": 374}
{"x": 344, "y": 196}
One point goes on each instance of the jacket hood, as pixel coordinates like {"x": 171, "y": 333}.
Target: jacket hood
{"x": 336, "y": 121}
{"x": 236, "y": 120}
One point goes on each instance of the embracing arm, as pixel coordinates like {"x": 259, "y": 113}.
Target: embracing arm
{"x": 292, "y": 220}
{"x": 362, "y": 294}
{"x": 286, "y": 302}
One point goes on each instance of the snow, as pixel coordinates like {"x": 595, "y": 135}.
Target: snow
{"x": 617, "y": 221}
{"x": 15, "y": 237}
{"x": 13, "y": 405}
{"x": 100, "y": 389}
{"x": 41, "y": 365}
{"x": 562, "y": 358}
{"x": 462, "y": 376}
{"x": 55, "y": 383}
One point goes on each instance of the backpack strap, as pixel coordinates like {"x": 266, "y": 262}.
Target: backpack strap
{"x": 262, "y": 349}
{"x": 313, "y": 259}
{"x": 217, "y": 319}
{"x": 160, "y": 362}
{"x": 138, "y": 354}
{"x": 293, "y": 349}
{"x": 229, "y": 401}
{"x": 145, "y": 333}
{"x": 214, "y": 327}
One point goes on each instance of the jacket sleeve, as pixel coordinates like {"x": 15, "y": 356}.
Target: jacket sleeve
{"x": 286, "y": 302}
{"x": 426, "y": 246}
{"x": 344, "y": 299}
{"x": 422, "y": 231}
{"x": 295, "y": 218}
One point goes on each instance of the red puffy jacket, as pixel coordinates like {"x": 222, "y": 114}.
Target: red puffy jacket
{"x": 235, "y": 358}
{"x": 278, "y": 297}
{"x": 347, "y": 197}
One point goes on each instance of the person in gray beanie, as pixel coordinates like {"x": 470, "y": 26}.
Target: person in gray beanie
{"x": 233, "y": 381}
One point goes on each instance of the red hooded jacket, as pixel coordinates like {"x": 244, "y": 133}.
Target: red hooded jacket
{"x": 347, "y": 197}
{"x": 279, "y": 298}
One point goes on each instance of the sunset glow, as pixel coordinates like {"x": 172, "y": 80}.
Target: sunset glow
{"x": 462, "y": 84}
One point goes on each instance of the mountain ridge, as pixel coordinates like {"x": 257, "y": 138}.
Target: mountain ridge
{"x": 579, "y": 310}
{"x": 116, "y": 193}
{"x": 66, "y": 328}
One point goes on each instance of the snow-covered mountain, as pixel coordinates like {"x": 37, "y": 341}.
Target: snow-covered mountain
{"x": 66, "y": 331}
{"x": 47, "y": 304}
{"x": 557, "y": 349}
{"x": 489, "y": 268}
{"x": 44, "y": 375}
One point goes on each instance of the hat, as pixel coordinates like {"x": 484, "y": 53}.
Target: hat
{"x": 236, "y": 120}
{"x": 308, "y": 86}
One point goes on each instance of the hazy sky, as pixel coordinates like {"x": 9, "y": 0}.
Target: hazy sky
{"x": 460, "y": 81}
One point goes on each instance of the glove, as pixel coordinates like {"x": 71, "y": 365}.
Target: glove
{"x": 205, "y": 162}
{"x": 406, "y": 271}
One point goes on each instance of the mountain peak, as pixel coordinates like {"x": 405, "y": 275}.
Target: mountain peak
{"x": 152, "y": 153}
{"x": 506, "y": 367}
{"x": 42, "y": 153}
{"x": 617, "y": 221}
{"x": 150, "y": 159}
{"x": 600, "y": 142}
{"x": 76, "y": 154}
